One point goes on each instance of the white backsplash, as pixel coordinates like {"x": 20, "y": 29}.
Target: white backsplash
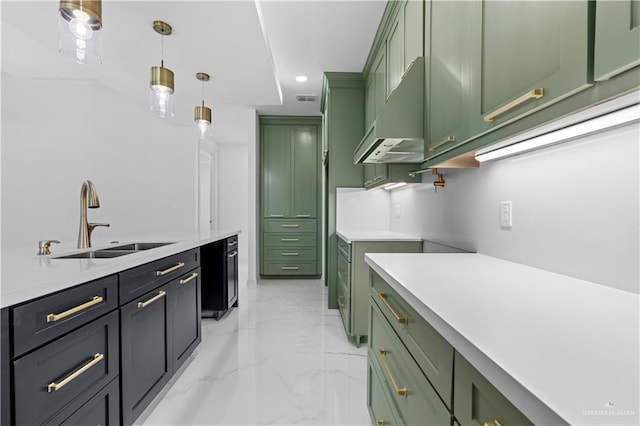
{"x": 360, "y": 210}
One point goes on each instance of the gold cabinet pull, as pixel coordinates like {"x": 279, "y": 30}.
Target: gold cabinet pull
{"x": 233, "y": 243}
{"x": 287, "y": 240}
{"x": 160, "y": 295}
{"x": 534, "y": 94}
{"x": 493, "y": 423}
{"x": 170, "y": 270}
{"x": 234, "y": 254}
{"x": 92, "y": 302}
{"x": 277, "y": 215}
{"x": 289, "y": 268}
{"x": 303, "y": 215}
{"x": 399, "y": 391}
{"x": 398, "y": 318}
{"x": 444, "y": 141}
{"x": 186, "y": 280}
{"x": 290, "y": 226}
{"x": 295, "y": 253}
{"x": 53, "y": 386}
{"x": 379, "y": 422}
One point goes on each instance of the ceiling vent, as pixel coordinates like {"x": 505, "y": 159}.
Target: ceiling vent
{"x": 306, "y": 98}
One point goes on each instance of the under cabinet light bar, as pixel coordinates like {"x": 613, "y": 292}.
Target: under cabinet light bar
{"x": 391, "y": 186}
{"x": 598, "y": 124}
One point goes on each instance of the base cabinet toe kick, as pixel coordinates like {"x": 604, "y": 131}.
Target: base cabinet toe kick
{"x": 99, "y": 352}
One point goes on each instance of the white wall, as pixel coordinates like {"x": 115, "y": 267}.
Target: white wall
{"x": 58, "y": 133}
{"x": 575, "y": 209}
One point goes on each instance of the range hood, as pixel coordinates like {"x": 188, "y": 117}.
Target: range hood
{"x": 396, "y": 135}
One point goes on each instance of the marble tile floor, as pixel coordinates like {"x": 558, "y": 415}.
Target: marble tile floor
{"x": 280, "y": 358}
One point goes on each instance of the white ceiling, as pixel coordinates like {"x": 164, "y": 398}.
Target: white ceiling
{"x": 252, "y": 50}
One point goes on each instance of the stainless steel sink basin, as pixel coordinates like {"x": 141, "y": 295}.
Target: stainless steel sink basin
{"x": 114, "y": 251}
{"x": 137, "y": 246}
{"x": 97, "y": 254}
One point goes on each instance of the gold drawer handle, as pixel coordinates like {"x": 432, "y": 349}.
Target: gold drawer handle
{"x": 53, "y": 386}
{"x": 534, "y": 94}
{"x": 303, "y": 215}
{"x": 295, "y": 253}
{"x": 186, "y": 280}
{"x": 290, "y": 226}
{"x": 289, "y": 268}
{"x": 493, "y": 423}
{"x": 234, "y": 254}
{"x": 444, "y": 141}
{"x": 92, "y": 302}
{"x": 383, "y": 297}
{"x": 233, "y": 243}
{"x": 399, "y": 391}
{"x": 277, "y": 215}
{"x": 170, "y": 270}
{"x": 292, "y": 240}
{"x": 379, "y": 422}
{"x": 160, "y": 295}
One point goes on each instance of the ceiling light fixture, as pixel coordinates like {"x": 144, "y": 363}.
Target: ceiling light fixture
{"x": 79, "y": 26}
{"x": 595, "y": 125}
{"x": 301, "y": 78}
{"x": 201, "y": 113}
{"x": 161, "y": 94}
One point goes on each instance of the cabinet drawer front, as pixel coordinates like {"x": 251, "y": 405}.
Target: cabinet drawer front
{"x": 344, "y": 249}
{"x": 478, "y": 402}
{"x": 102, "y": 409}
{"x": 344, "y": 304}
{"x": 286, "y": 254}
{"x": 289, "y": 268}
{"x": 289, "y": 240}
{"x": 232, "y": 243}
{"x": 71, "y": 368}
{"x": 43, "y": 320}
{"x": 290, "y": 225}
{"x": 406, "y": 387}
{"x": 137, "y": 281}
{"x": 431, "y": 351}
{"x": 344, "y": 273}
{"x": 379, "y": 407}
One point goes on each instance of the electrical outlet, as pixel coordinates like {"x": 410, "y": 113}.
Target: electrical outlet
{"x": 506, "y": 214}
{"x": 398, "y": 211}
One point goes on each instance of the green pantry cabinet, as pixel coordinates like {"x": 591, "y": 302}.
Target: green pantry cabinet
{"x": 289, "y": 196}
{"x": 353, "y": 280}
{"x": 415, "y": 377}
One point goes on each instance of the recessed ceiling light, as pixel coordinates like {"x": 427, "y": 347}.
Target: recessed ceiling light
{"x": 301, "y": 78}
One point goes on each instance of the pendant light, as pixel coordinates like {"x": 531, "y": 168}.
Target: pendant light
{"x": 79, "y": 25}
{"x": 161, "y": 84}
{"x": 201, "y": 113}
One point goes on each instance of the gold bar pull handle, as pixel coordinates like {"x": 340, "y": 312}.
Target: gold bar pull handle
{"x": 289, "y": 268}
{"x": 234, "y": 254}
{"x": 277, "y": 215}
{"x": 303, "y": 215}
{"x": 493, "y": 423}
{"x": 289, "y": 240}
{"x": 234, "y": 243}
{"x": 186, "y": 280}
{"x": 53, "y": 386}
{"x": 398, "y": 318}
{"x": 534, "y": 94}
{"x": 399, "y": 391}
{"x": 170, "y": 270}
{"x": 290, "y": 226}
{"x": 444, "y": 141}
{"x": 55, "y": 317}
{"x": 158, "y": 296}
{"x": 295, "y": 253}
{"x": 379, "y": 422}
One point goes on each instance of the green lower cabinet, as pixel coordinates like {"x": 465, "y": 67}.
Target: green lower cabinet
{"x": 406, "y": 388}
{"x": 617, "y": 46}
{"x": 379, "y": 406}
{"x": 477, "y": 402}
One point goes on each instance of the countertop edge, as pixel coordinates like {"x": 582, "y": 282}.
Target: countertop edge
{"x": 530, "y": 405}
{"x": 375, "y": 236}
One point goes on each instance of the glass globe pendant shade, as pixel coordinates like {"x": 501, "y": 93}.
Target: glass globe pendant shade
{"x": 161, "y": 100}
{"x": 80, "y": 25}
{"x": 202, "y": 115}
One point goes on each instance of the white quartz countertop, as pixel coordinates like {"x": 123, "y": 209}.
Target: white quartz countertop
{"x": 26, "y": 276}
{"x": 351, "y": 236}
{"x": 560, "y": 349}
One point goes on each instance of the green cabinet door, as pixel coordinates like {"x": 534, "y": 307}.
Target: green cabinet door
{"x": 527, "y": 55}
{"x": 395, "y": 53}
{"x": 617, "y": 45}
{"x": 449, "y": 98}
{"x": 380, "y": 83}
{"x": 369, "y": 174}
{"x": 369, "y": 101}
{"x": 413, "y": 31}
{"x": 305, "y": 179}
{"x": 276, "y": 171}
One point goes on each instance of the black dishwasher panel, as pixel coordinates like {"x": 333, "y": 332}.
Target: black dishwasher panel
{"x": 219, "y": 264}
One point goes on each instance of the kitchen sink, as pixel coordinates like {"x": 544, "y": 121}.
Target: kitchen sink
{"x": 116, "y": 251}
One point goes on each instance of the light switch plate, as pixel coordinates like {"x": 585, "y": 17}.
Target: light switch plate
{"x": 506, "y": 214}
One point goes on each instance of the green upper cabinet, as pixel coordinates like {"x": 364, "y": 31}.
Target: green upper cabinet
{"x": 304, "y": 147}
{"x": 369, "y": 101}
{"x": 276, "y": 171}
{"x": 395, "y": 53}
{"x": 527, "y": 56}
{"x": 448, "y": 103}
{"x": 617, "y": 45}
{"x": 413, "y": 31}
{"x": 380, "y": 82}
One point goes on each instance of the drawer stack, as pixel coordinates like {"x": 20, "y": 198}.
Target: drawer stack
{"x": 289, "y": 247}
